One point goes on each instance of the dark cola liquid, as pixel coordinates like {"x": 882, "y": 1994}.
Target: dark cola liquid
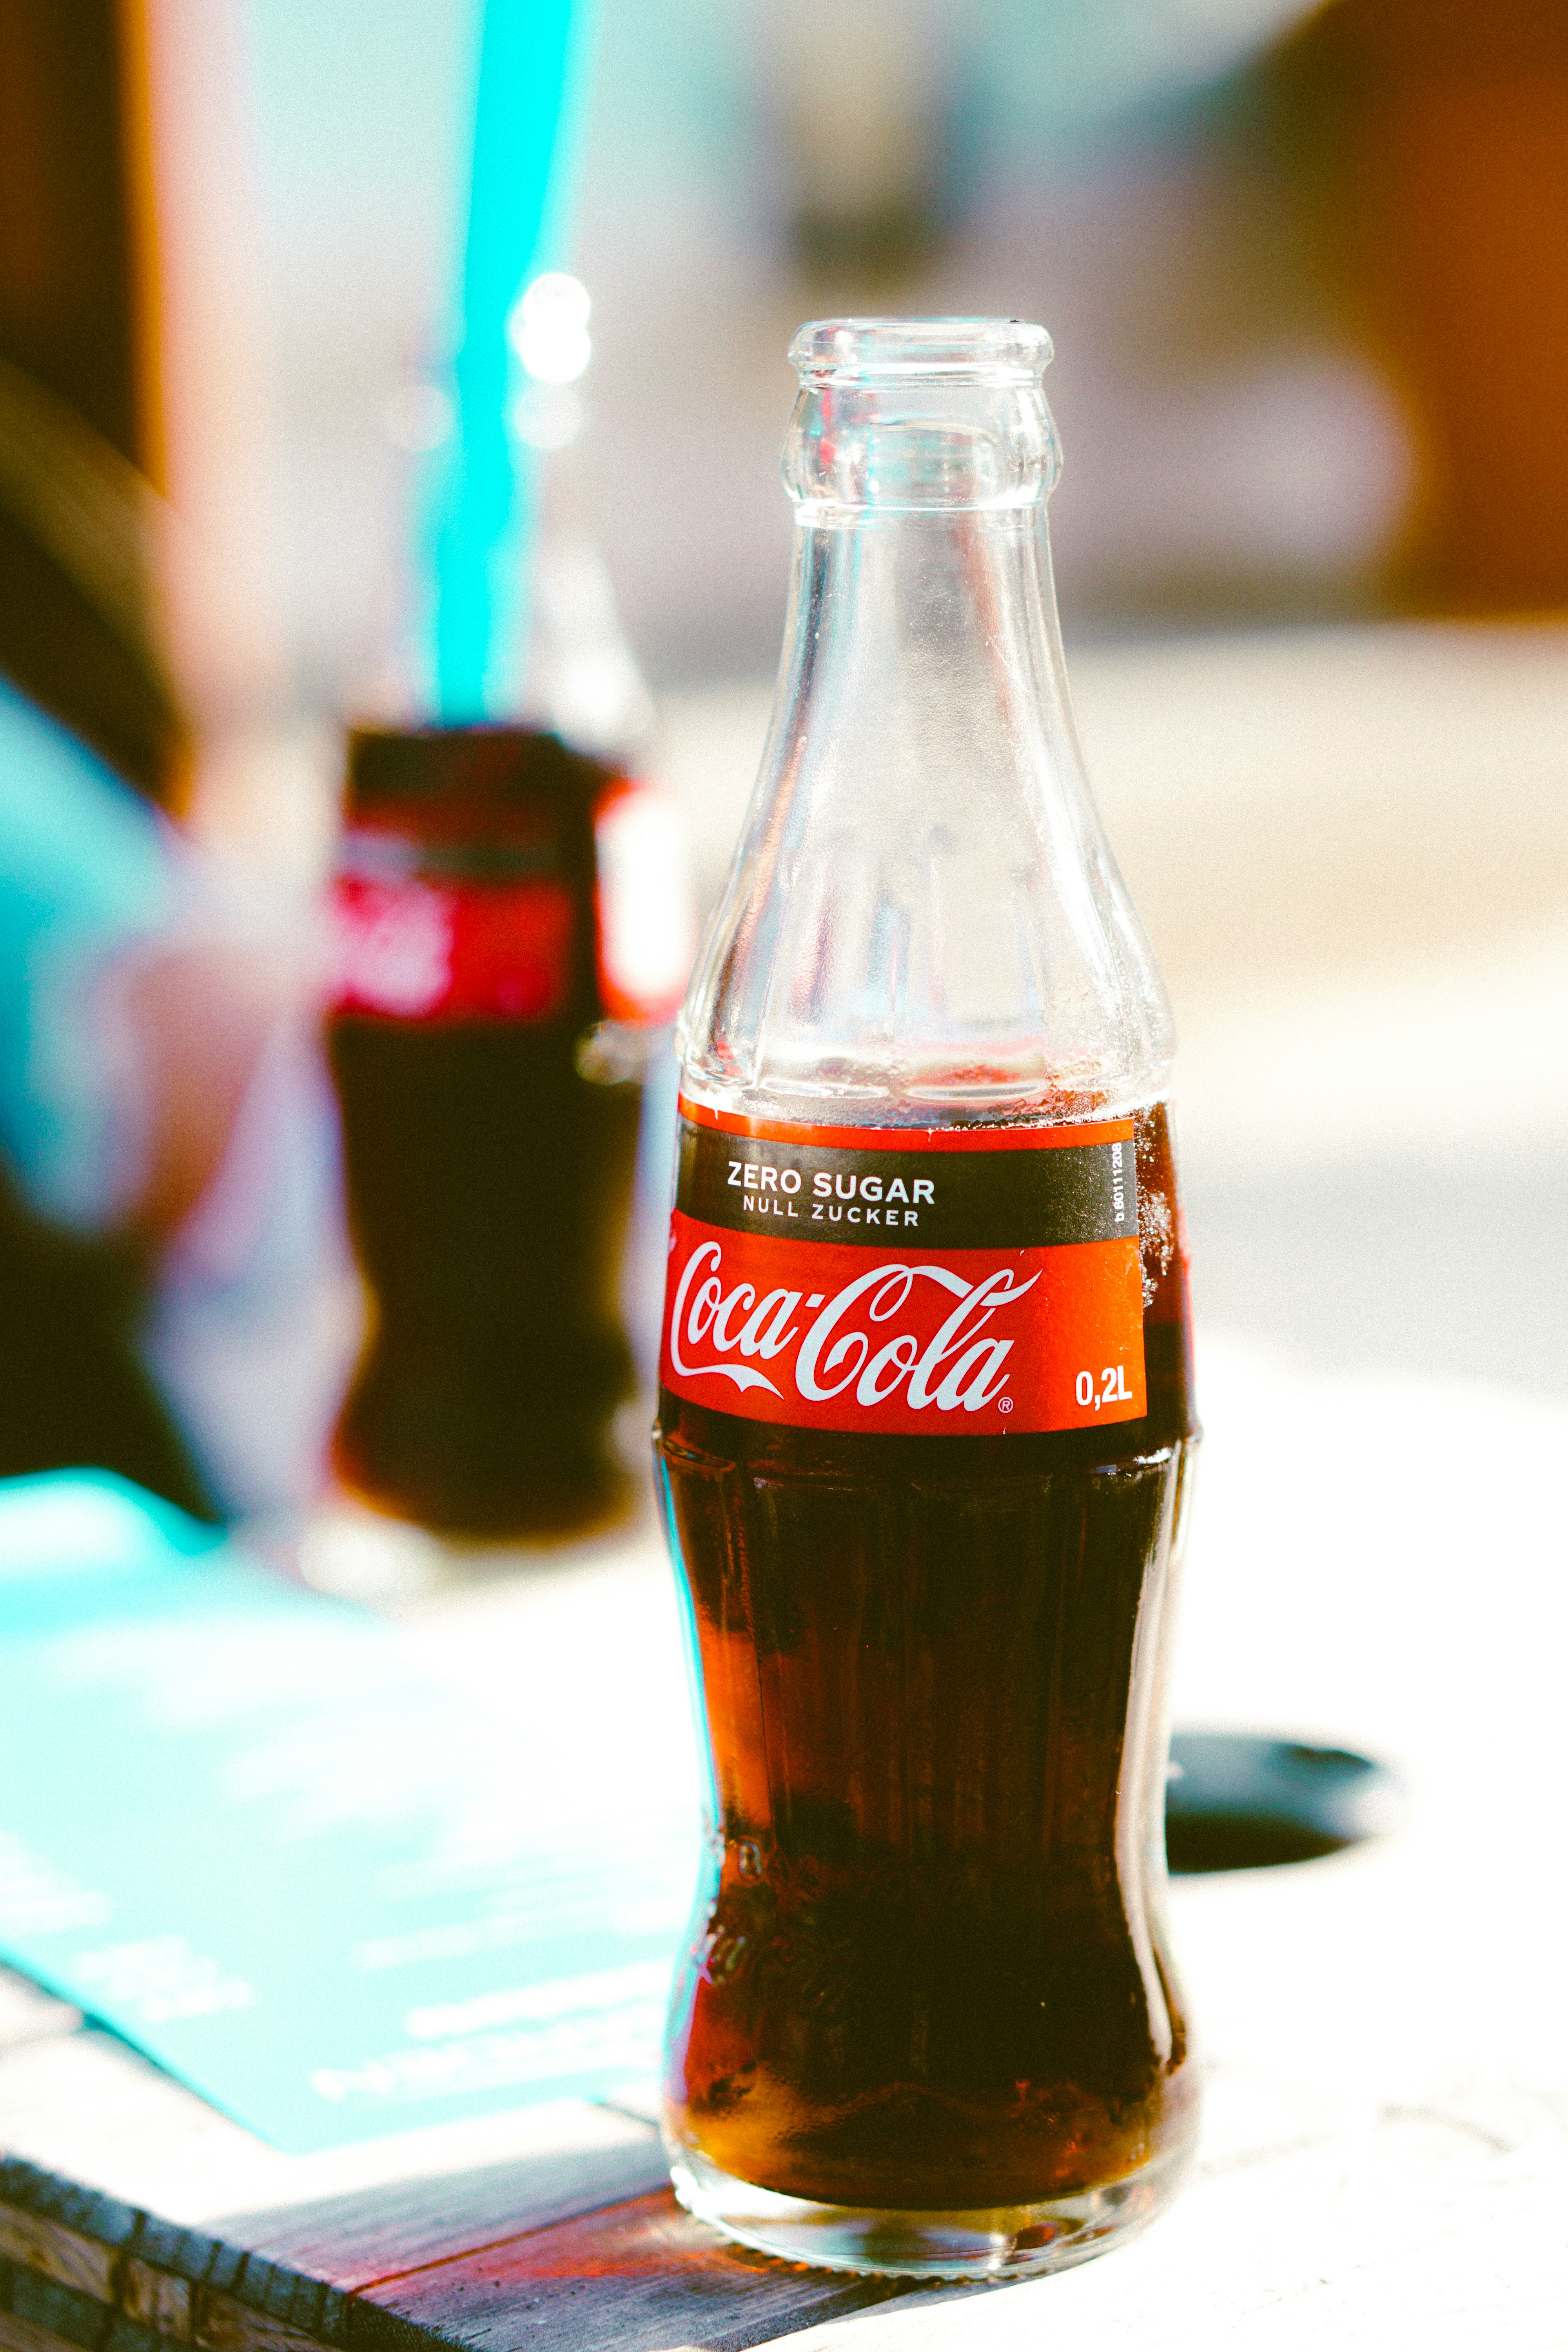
{"x": 932, "y": 1971}
{"x": 489, "y": 1191}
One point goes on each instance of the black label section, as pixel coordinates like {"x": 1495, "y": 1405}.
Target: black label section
{"x": 949, "y": 1200}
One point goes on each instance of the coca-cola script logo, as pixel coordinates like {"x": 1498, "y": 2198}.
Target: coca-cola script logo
{"x": 410, "y": 950}
{"x": 820, "y": 1335}
{"x": 392, "y": 947}
{"x": 844, "y": 1341}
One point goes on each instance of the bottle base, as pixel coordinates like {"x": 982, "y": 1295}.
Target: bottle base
{"x": 1001, "y": 2241}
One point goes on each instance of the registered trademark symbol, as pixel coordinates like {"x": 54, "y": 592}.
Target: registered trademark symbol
{"x": 1003, "y": 1405}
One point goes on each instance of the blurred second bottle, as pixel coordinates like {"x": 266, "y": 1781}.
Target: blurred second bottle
{"x": 512, "y": 933}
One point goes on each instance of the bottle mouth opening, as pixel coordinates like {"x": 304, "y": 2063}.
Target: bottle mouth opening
{"x": 920, "y": 351}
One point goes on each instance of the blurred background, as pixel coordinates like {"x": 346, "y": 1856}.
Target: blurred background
{"x": 1307, "y": 273}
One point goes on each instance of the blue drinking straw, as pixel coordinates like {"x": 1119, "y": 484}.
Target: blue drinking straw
{"x": 528, "y": 115}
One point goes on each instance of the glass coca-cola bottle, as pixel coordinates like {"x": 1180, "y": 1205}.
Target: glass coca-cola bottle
{"x": 511, "y": 939}
{"x": 489, "y": 1177}
{"x": 925, "y": 1426}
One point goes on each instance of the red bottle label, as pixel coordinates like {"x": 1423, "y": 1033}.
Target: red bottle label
{"x": 897, "y": 1281}
{"x": 411, "y": 950}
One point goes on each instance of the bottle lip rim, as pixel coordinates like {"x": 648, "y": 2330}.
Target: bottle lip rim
{"x": 935, "y": 351}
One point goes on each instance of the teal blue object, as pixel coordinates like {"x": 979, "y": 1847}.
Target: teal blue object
{"x": 526, "y": 131}
{"x": 73, "y": 1541}
{"x": 292, "y": 1852}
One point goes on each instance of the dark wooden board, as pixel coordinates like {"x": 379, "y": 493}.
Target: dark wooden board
{"x": 642, "y": 2277}
{"x": 83, "y": 2272}
{"x": 563, "y": 2249}
{"x": 354, "y": 2241}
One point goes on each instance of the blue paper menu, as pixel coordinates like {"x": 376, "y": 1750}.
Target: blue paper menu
{"x": 305, "y": 1860}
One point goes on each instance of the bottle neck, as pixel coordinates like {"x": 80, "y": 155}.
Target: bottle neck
{"x": 923, "y": 600}
{"x": 924, "y": 920}
{"x": 930, "y": 648}
{"x": 557, "y": 656}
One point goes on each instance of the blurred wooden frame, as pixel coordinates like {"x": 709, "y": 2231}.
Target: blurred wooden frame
{"x": 205, "y": 426}
{"x": 138, "y": 598}
{"x": 79, "y": 566}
